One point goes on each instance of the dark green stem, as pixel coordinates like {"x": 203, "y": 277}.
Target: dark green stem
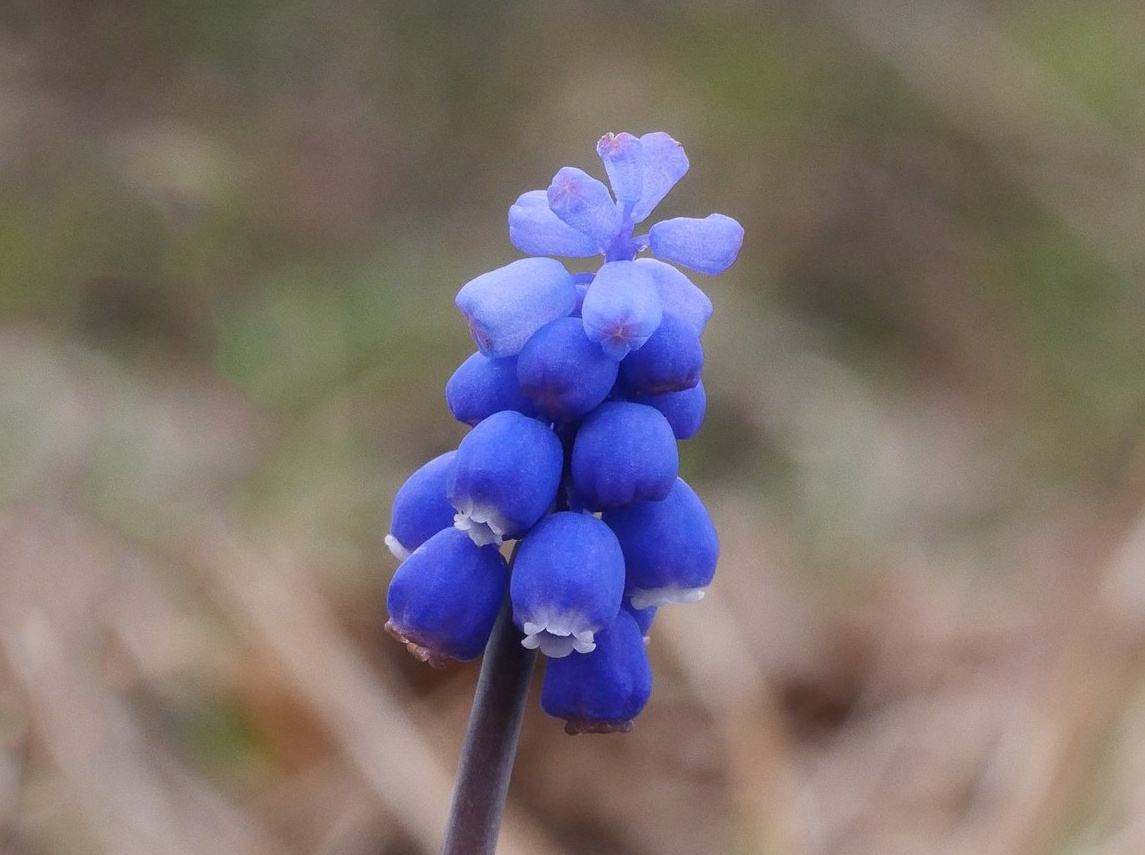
{"x": 490, "y": 742}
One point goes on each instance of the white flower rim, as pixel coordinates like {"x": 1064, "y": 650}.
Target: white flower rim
{"x": 485, "y": 525}
{"x": 555, "y": 637}
{"x": 399, "y": 552}
{"x": 642, "y": 598}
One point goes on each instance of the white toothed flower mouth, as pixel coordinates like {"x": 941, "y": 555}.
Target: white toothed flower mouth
{"x": 567, "y": 583}
{"x": 556, "y": 638}
{"x": 484, "y": 525}
{"x": 644, "y": 598}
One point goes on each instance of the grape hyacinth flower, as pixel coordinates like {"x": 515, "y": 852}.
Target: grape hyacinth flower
{"x": 603, "y": 692}
{"x": 444, "y": 598}
{"x": 568, "y": 582}
{"x": 421, "y": 508}
{"x": 582, "y": 385}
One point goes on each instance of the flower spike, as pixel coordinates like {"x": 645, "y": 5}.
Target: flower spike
{"x": 581, "y": 387}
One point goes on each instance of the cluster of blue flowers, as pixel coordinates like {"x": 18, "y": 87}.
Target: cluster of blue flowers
{"x": 579, "y": 390}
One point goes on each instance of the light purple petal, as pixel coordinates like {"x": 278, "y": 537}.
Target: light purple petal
{"x": 664, "y": 164}
{"x": 504, "y": 307}
{"x": 621, "y": 155}
{"x": 536, "y": 230}
{"x": 621, "y": 308}
{"x": 585, "y": 204}
{"x": 678, "y": 294}
{"x": 709, "y": 245}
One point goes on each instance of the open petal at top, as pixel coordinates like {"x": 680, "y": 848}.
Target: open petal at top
{"x": 678, "y": 294}
{"x": 621, "y": 308}
{"x": 536, "y": 230}
{"x": 504, "y": 307}
{"x": 663, "y": 164}
{"x": 623, "y": 161}
{"x": 585, "y": 204}
{"x": 709, "y": 245}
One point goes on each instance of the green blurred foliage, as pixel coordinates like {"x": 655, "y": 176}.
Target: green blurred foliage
{"x": 288, "y": 195}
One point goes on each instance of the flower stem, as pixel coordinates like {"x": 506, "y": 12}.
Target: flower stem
{"x": 490, "y": 742}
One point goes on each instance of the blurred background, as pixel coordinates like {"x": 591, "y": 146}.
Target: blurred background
{"x": 230, "y": 235}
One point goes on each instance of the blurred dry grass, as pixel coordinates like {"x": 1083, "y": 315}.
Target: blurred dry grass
{"x": 231, "y": 233}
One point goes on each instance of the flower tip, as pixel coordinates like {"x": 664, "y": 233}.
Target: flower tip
{"x": 610, "y": 142}
{"x": 421, "y": 652}
{"x": 709, "y": 245}
{"x": 575, "y": 726}
{"x": 556, "y": 641}
{"x": 613, "y": 145}
{"x": 396, "y": 549}
{"x": 655, "y": 597}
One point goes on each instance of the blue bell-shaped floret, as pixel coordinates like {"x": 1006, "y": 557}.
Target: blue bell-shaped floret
{"x": 623, "y": 453}
{"x": 536, "y": 230}
{"x": 663, "y": 163}
{"x": 504, "y": 307}
{"x": 670, "y": 548}
{"x": 601, "y": 692}
{"x": 562, "y": 372}
{"x": 621, "y": 308}
{"x": 420, "y": 508}
{"x": 709, "y": 245}
{"x": 670, "y": 361}
{"x": 585, "y": 204}
{"x": 505, "y": 477}
{"x": 444, "y": 598}
{"x": 482, "y": 386}
{"x": 623, "y": 159}
{"x": 568, "y": 578}
{"x": 684, "y": 410}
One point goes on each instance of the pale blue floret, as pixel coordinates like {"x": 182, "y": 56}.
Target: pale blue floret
{"x": 623, "y": 158}
{"x": 584, "y": 218}
{"x": 623, "y": 453}
{"x": 505, "y": 477}
{"x": 536, "y": 230}
{"x": 641, "y": 171}
{"x": 670, "y": 547}
{"x": 507, "y": 305}
{"x": 585, "y": 204}
{"x": 482, "y": 386}
{"x": 621, "y": 308}
{"x": 603, "y": 691}
{"x": 709, "y": 245}
{"x": 664, "y": 163}
{"x": 678, "y": 294}
{"x": 444, "y": 598}
{"x": 568, "y": 580}
{"x": 420, "y": 508}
